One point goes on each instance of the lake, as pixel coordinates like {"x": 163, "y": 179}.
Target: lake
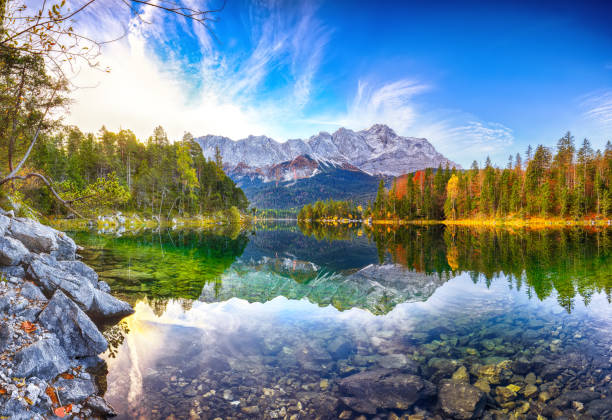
{"x": 297, "y": 322}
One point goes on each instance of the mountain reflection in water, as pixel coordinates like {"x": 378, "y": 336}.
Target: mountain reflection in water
{"x": 248, "y": 325}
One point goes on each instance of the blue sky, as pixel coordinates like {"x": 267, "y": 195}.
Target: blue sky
{"x": 476, "y": 78}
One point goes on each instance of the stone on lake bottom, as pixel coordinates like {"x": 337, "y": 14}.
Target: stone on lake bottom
{"x": 461, "y": 375}
{"x": 461, "y": 400}
{"x": 393, "y": 361}
{"x": 384, "y": 388}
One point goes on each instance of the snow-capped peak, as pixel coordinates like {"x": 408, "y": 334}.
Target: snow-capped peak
{"x": 377, "y": 150}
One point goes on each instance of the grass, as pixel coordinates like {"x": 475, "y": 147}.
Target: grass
{"x": 513, "y": 222}
{"x": 533, "y": 222}
{"x": 135, "y": 222}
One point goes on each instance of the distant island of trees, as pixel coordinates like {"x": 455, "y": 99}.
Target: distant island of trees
{"x": 568, "y": 183}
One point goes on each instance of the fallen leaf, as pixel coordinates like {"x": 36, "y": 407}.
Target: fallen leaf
{"x": 67, "y": 375}
{"x": 28, "y": 327}
{"x": 29, "y": 401}
{"x": 62, "y": 411}
{"x": 2, "y": 391}
{"x": 50, "y": 391}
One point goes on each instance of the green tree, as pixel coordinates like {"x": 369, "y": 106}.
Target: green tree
{"x": 381, "y": 199}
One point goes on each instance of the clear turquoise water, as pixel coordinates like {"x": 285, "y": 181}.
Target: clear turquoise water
{"x": 267, "y": 323}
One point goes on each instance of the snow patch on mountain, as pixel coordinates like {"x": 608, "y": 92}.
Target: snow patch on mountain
{"x": 377, "y": 151}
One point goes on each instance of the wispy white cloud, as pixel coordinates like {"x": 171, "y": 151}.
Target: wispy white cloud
{"x": 597, "y": 108}
{"x": 264, "y": 89}
{"x": 455, "y": 133}
{"x": 391, "y": 103}
{"x": 476, "y": 138}
{"x": 150, "y": 83}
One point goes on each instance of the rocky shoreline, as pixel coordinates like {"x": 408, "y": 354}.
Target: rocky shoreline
{"x": 50, "y": 307}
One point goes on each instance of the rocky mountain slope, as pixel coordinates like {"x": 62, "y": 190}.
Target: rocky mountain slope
{"x": 344, "y": 165}
{"x": 376, "y": 288}
{"x": 376, "y": 151}
{"x": 301, "y": 181}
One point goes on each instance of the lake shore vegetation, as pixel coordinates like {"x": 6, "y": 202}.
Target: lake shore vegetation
{"x": 546, "y": 188}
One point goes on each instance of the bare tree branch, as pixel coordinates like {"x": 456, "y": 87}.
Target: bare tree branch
{"x": 27, "y": 153}
{"x": 45, "y": 23}
{"x": 48, "y": 184}
{"x": 85, "y": 197}
{"x": 196, "y": 15}
{"x": 47, "y": 35}
{"x": 54, "y": 38}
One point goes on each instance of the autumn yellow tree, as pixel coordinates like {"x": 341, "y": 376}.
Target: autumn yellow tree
{"x": 452, "y": 192}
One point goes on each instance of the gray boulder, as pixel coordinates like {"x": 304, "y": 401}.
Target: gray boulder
{"x": 461, "y": 400}
{"x": 384, "y": 388}
{"x": 36, "y": 237}
{"x": 44, "y": 359}
{"x": 103, "y": 286}
{"x": 13, "y": 271}
{"x": 100, "y": 407}
{"x": 6, "y": 335}
{"x": 80, "y": 269}
{"x": 28, "y": 312}
{"x": 105, "y": 306}
{"x": 5, "y": 303}
{"x": 16, "y": 409}
{"x": 31, "y": 292}
{"x": 76, "y": 332}
{"x": 76, "y": 280}
{"x": 12, "y": 252}
{"x": 4, "y": 224}
{"x": 75, "y": 390}
{"x": 46, "y": 272}
{"x": 66, "y": 247}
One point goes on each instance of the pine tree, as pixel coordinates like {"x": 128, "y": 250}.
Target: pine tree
{"x": 536, "y": 173}
{"x": 518, "y": 165}
{"x": 439, "y": 191}
{"x": 380, "y": 203}
{"x": 584, "y": 182}
{"x": 528, "y": 154}
{"x": 218, "y": 158}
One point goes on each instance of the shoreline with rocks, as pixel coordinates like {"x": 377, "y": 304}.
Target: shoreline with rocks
{"x": 51, "y": 305}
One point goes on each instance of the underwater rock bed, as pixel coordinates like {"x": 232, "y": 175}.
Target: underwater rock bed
{"x": 49, "y": 342}
{"x": 519, "y": 330}
{"x": 498, "y": 367}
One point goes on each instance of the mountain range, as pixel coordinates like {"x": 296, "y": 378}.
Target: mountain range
{"x": 344, "y": 165}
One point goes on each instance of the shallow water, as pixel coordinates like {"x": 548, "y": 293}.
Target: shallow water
{"x": 274, "y": 323}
